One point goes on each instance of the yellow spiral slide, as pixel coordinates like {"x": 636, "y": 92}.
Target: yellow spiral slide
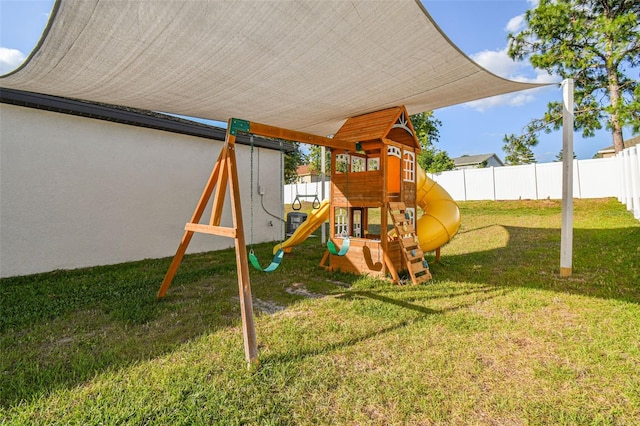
{"x": 438, "y": 224}
{"x": 440, "y": 219}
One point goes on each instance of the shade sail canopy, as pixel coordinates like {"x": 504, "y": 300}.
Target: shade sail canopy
{"x": 302, "y": 65}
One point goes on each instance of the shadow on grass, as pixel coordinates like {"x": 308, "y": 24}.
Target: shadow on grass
{"x": 422, "y": 313}
{"x": 606, "y": 262}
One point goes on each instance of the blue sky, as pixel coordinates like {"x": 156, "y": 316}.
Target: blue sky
{"x": 478, "y": 27}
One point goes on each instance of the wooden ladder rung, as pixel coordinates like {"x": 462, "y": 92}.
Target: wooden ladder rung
{"x": 419, "y": 255}
{"x": 423, "y": 278}
{"x": 417, "y": 267}
{"x": 407, "y": 229}
{"x": 409, "y": 243}
{"x": 399, "y": 218}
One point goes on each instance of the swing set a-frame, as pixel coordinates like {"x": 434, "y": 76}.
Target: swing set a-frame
{"x": 225, "y": 174}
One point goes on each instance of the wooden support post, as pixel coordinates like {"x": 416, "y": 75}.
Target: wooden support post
{"x": 224, "y": 172}
{"x": 390, "y": 268}
{"x": 242, "y": 261}
{"x": 566, "y": 237}
{"x": 221, "y": 192}
{"x": 188, "y": 234}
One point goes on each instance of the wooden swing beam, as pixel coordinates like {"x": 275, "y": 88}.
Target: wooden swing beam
{"x": 225, "y": 172}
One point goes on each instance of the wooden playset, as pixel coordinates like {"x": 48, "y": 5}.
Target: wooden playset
{"x": 374, "y": 174}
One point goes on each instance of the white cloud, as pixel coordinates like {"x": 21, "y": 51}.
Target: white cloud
{"x": 499, "y": 62}
{"x": 10, "y": 59}
{"x": 510, "y": 99}
{"x": 515, "y": 24}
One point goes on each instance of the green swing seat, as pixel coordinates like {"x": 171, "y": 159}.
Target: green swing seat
{"x": 277, "y": 259}
{"x": 333, "y": 249}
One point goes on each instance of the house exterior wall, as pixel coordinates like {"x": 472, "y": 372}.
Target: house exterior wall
{"x": 308, "y": 179}
{"x": 78, "y": 192}
{"x": 477, "y": 162}
{"x": 493, "y": 162}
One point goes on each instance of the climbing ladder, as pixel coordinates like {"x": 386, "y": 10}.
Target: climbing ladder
{"x": 410, "y": 247}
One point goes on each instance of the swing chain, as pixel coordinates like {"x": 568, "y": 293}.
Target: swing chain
{"x": 283, "y": 228}
{"x": 251, "y": 191}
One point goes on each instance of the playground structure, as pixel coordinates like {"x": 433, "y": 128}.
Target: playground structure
{"x": 373, "y": 166}
{"x": 300, "y": 65}
{"x": 374, "y": 195}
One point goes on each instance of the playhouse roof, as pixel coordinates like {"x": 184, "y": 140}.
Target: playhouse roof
{"x": 297, "y": 64}
{"x": 378, "y": 126}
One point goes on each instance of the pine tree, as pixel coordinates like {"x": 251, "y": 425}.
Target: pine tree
{"x": 597, "y": 44}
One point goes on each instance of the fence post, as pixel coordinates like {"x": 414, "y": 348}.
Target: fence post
{"x": 637, "y": 169}
{"x": 628, "y": 177}
{"x": 535, "y": 179}
{"x": 493, "y": 181}
{"x": 634, "y": 175}
{"x": 464, "y": 183}
{"x": 619, "y": 166}
{"x": 577, "y": 175}
{"x": 566, "y": 237}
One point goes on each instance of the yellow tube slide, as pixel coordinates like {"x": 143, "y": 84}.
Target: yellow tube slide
{"x": 441, "y": 216}
{"x": 302, "y": 232}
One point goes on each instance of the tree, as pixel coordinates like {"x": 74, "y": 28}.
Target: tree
{"x": 595, "y": 42}
{"x": 518, "y": 150}
{"x": 430, "y": 158}
{"x": 560, "y": 156}
{"x": 314, "y": 158}
{"x": 291, "y": 162}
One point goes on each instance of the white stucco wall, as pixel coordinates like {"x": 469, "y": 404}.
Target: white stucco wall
{"x": 78, "y": 192}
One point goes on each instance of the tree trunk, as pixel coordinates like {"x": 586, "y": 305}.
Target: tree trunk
{"x": 614, "y": 96}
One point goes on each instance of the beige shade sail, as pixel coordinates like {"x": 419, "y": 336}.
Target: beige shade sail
{"x": 301, "y": 65}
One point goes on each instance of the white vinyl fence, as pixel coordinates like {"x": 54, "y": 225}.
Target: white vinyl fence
{"x": 591, "y": 179}
{"x": 628, "y": 170}
{"x": 604, "y": 177}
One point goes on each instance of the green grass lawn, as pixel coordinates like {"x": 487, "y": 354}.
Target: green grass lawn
{"x": 496, "y": 338}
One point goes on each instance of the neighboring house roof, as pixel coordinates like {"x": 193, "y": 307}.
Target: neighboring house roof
{"x": 470, "y": 160}
{"x": 129, "y": 116}
{"x": 305, "y": 170}
{"x": 627, "y": 144}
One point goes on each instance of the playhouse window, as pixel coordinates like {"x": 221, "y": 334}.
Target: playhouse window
{"x": 393, "y": 151}
{"x": 341, "y": 222}
{"x": 358, "y": 164}
{"x": 357, "y": 223}
{"x": 373, "y": 164}
{"x": 342, "y": 163}
{"x": 409, "y": 169}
